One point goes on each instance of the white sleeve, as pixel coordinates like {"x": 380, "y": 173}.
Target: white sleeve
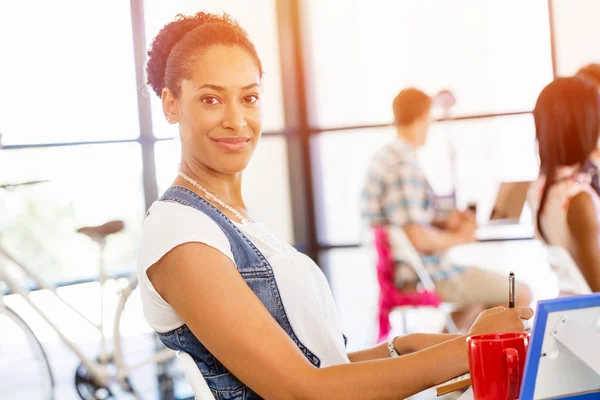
{"x": 167, "y": 226}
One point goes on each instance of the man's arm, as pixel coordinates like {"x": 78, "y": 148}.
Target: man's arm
{"x": 440, "y": 224}
{"x": 404, "y": 208}
{"x": 430, "y": 240}
{"x": 454, "y": 220}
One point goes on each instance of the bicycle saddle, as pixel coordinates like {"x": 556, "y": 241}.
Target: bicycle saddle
{"x": 18, "y": 184}
{"x": 102, "y": 231}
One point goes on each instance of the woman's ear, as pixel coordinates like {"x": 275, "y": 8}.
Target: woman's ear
{"x": 170, "y": 106}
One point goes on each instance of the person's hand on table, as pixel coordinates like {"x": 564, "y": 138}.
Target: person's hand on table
{"x": 501, "y": 319}
{"x": 458, "y": 218}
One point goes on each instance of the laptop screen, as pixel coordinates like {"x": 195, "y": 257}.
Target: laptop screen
{"x": 510, "y": 201}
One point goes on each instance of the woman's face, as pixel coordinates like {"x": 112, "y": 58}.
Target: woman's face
{"x": 219, "y": 110}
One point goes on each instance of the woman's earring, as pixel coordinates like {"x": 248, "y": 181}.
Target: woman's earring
{"x": 168, "y": 118}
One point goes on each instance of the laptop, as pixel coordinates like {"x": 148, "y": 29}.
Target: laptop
{"x": 504, "y": 220}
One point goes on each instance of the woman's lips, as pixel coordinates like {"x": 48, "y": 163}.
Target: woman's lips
{"x": 233, "y": 143}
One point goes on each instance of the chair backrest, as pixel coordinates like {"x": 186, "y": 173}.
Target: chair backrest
{"x": 389, "y": 295}
{"x": 403, "y": 249}
{"x": 569, "y": 274}
{"x": 194, "y": 376}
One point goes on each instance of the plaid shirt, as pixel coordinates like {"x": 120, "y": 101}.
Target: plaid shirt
{"x": 396, "y": 192}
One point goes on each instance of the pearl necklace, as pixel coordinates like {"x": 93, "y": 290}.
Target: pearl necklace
{"x": 212, "y": 197}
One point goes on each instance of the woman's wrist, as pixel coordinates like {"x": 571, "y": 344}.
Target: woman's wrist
{"x": 419, "y": 341}
{"x": 462, "y": 350}
{"x": 406, "y": 344}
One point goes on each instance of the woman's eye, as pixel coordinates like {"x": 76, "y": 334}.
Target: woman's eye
{"x": 251, "y": 99}
{"x": 210, "y": 100}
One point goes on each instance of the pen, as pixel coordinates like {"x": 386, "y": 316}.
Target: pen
{"x": 511, "y": 290}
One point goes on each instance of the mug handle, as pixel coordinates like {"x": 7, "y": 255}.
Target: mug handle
{"x": 514, "y": 373}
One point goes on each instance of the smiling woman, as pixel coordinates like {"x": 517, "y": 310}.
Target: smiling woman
{"x": 257, "y": 316}
{"x": 218, "y": 111}
{"x": 215, "y": 106}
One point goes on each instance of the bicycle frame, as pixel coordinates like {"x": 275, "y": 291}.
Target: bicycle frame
{"x": 123, "y": 369}
{"x": 18, "y": 288}
{"x": 97, "y": 369}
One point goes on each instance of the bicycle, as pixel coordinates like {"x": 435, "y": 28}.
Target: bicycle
{"x": 93, "y": 377}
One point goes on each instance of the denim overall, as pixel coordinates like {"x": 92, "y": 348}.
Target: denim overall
{"x": 258, "y": 274}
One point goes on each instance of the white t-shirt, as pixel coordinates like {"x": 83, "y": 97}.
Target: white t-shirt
{"x": 304, "y": 290}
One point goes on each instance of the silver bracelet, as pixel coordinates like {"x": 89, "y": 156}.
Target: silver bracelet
{"x": 391, "y": 348}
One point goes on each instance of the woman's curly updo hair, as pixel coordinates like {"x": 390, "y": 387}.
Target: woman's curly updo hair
{"x": 179, "y": 43}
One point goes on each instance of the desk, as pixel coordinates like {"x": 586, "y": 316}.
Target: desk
{"x": 468, "y": 395}
{"x": 502, "y": 256}
{"x": 527, "y": 258}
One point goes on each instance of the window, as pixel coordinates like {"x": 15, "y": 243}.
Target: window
{"x": 265, "y": 186}
{"x": 352, "y": 275}
{"x": 89, "y": 185}
{"x": 67, "y": 76}
{"x": 340, "y": 165}
{"x": 259, "y": 20}
{"x": 576, "y": 33}
{"x": 486, "y": 151}
{"x": 495, "y": 56}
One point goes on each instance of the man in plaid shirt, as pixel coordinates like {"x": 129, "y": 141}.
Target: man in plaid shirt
{"x": 396, "y": 194}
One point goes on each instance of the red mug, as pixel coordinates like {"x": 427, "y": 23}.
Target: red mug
{"x": 496, "y": 364}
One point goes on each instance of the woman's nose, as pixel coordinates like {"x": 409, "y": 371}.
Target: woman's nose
{"x": 234, "y": 118}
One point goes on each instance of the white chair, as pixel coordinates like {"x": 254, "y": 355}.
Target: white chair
{"x": 194, "y": 376}
{"x": 403, "y": 249}
{"x": 569, "y": 275}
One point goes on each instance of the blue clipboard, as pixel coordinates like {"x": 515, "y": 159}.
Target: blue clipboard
{"x": 547, "y": 356}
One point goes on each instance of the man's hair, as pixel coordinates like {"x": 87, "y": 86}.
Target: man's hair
{"x": 590, "y": 72}
{"x": 409, "y": 105}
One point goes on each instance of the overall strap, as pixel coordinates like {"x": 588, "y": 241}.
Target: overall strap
{"x": 250, "y": 262}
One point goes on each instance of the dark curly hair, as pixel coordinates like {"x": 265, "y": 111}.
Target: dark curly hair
{"x": 182, "y": 41}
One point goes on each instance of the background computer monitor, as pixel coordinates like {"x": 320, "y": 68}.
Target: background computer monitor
{"x": 510, "y": 201}
{"x": 563, "y": 359}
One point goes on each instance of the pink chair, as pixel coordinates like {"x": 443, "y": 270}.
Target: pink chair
{"x": 390, "y": 297}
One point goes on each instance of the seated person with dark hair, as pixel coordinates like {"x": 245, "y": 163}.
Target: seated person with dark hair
{"x": 591, "y": 73}
{"x": 397, "y": 194}
{"x": 567, "y": 209}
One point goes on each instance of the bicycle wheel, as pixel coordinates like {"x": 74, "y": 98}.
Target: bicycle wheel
{"x": 136, "y": 343}
{"x": 25, "y": 372}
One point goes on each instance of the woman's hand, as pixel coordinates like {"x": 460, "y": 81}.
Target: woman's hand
{"x": 501, "y": 319}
